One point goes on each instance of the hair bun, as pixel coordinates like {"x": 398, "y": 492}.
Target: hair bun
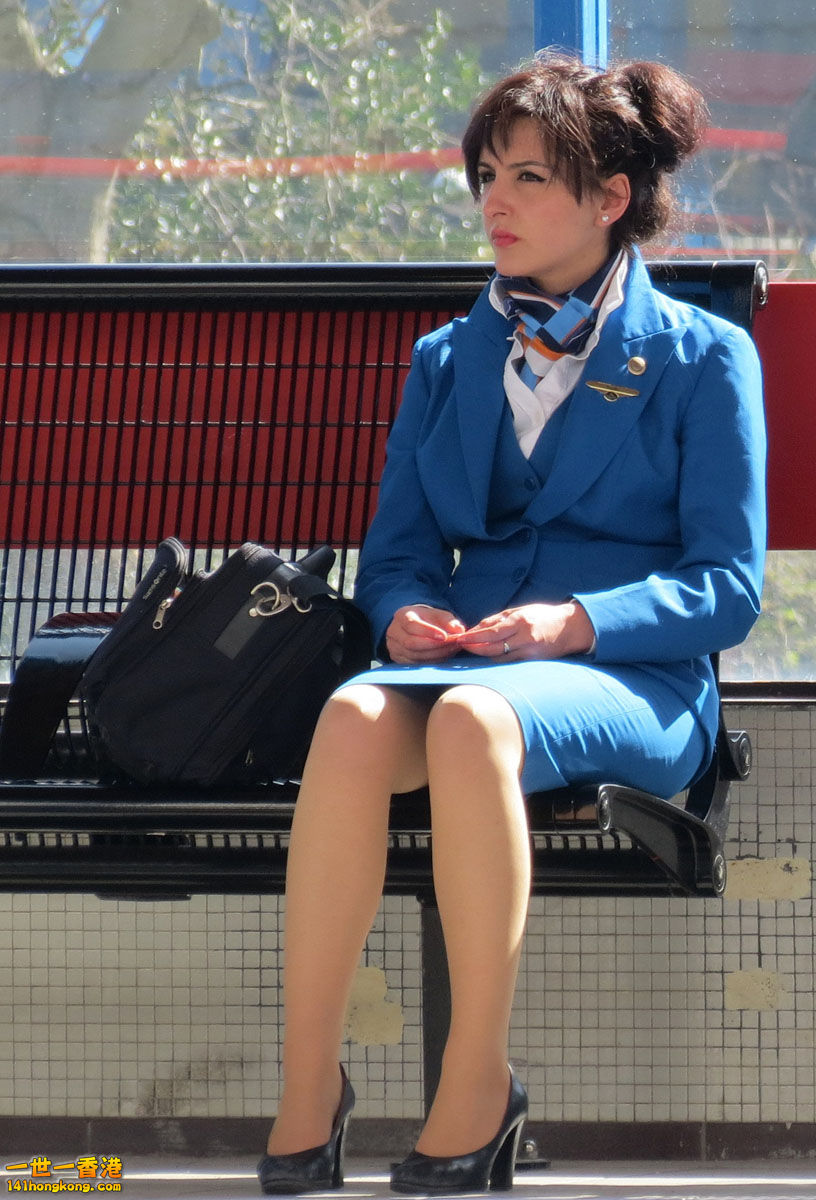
{"x": 672, "y": 112}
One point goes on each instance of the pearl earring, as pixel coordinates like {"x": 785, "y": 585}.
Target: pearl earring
{"x": 605, "y": 217}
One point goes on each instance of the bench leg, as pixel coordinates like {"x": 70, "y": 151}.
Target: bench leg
{"x": 435, "y": 998}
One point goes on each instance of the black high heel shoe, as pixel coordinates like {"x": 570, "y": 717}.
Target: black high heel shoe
{"x": 491, "y": 1167}
{"x": 317, "y": 1170}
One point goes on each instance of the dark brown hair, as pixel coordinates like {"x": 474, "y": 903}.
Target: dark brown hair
{"x": 639, "y": 118}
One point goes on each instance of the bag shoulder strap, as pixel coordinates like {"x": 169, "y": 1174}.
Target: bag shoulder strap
{"x": 305, "y": 580}
{"x": 357, "y": 641}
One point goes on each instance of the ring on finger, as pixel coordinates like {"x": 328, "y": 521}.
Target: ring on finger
{"x": 505, "y": 648}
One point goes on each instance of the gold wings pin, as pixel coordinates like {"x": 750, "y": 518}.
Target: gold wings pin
{"x": 611, "y": 391}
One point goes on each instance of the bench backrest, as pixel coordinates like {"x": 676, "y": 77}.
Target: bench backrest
{"x": 218, "y": 404}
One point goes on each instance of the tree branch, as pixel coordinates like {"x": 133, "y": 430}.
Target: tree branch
{"x": 18, "y": 46}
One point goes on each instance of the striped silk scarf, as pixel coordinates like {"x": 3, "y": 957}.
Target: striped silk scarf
{"x": 551, "y": 326}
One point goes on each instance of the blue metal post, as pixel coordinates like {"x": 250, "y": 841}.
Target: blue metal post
{"x": 575, "y": 25}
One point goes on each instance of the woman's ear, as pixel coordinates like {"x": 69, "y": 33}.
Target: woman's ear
{"x": 616, "y": 193}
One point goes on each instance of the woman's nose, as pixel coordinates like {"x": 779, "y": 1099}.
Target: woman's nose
{"x": 494, "y": 199}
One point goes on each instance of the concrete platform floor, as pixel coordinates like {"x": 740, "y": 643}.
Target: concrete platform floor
{"x": 164, "y": 1178}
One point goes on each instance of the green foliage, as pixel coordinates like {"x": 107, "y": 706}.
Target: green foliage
{"x": 64, "y": 28}
{"x": 341, "y": 79}
{"x": 782, "y": 644}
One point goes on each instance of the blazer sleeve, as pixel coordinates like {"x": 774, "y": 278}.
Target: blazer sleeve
{"x": 711, "y": 597}
{"x": 405, "y": 558}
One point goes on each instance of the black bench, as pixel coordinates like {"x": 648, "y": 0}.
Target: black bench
{"x": 224, "y": 404}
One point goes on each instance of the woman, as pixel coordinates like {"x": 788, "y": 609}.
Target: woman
{"x": 570, "y": 521}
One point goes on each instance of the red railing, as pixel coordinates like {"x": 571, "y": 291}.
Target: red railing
{"x": 305, "y": 165}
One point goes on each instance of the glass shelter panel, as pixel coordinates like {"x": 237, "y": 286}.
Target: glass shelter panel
{"x": 752, "y": 192}
{"x": 257, "y": 130}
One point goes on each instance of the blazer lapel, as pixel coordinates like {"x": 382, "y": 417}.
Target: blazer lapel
{"x": 480, "y": 345}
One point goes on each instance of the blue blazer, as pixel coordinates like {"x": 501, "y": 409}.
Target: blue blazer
{"x": 652, "y": 514}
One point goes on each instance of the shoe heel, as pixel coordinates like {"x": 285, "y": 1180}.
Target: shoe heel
{"x": 501, "y": 1173}
{"x": 315, "y": 1170}
{"x": 339, "y": 1150}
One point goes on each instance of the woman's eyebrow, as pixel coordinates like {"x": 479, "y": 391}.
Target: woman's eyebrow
{"x": 527, "y": 162}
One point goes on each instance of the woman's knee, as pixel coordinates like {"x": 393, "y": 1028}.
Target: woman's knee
{"x": 362, "y": 702}
{"x": 354, "y": 715}
{"x": 477, "y": 722}
{"x": 375, "y": 729}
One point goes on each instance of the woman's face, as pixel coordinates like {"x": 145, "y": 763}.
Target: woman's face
{"x": 536, "y": 226}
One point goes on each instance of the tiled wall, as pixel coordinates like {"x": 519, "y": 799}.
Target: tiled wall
{"x": 628, "y": 1009}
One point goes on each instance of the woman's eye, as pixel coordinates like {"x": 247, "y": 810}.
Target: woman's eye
{"x": 485, "y": 177}
{"x": 534, "y": 177}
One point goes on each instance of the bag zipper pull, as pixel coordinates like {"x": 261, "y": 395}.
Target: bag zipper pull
{"x": 161, "y": 612}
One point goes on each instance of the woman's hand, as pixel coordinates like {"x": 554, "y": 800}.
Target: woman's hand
{"x": 531, "y": 631}
{"x": 421, "y": 634}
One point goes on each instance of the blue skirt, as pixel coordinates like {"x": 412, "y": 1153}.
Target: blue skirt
{"x": 581, "y": 723}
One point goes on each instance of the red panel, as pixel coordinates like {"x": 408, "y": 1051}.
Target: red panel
{"x": 785, "y": 334}
{"x": 122, "y": 428}
{"x": 117, "y": 430}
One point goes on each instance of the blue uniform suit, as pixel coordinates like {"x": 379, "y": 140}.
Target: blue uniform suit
{"x": 650, "y": 511}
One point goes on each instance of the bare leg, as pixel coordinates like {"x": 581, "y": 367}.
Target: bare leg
{"x": 482, "y": 879}
{"x": 369, "y": 743}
